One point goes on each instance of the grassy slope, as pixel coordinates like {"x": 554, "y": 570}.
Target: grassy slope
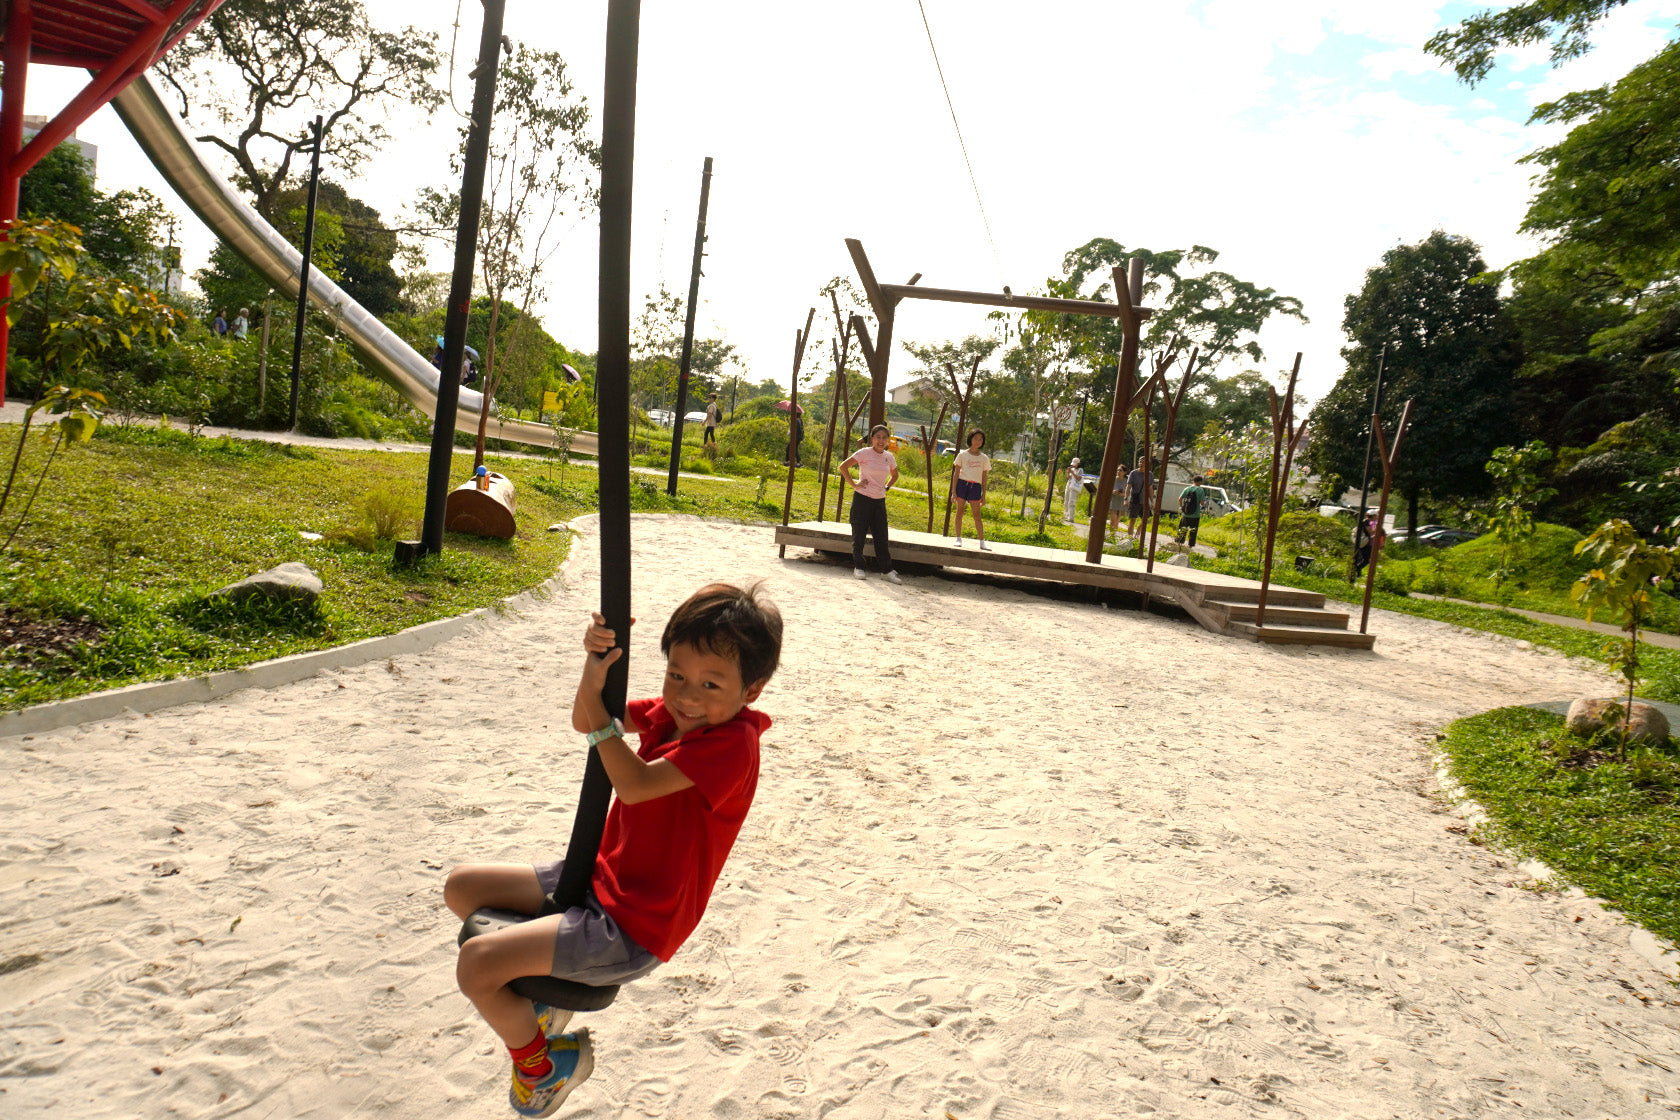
{"x": 1612, "y": 829}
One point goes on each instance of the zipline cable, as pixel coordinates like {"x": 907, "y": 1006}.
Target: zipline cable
{"x": 975, "y": 183}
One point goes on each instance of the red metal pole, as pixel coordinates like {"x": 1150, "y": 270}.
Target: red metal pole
{"x": 20, "y": 30}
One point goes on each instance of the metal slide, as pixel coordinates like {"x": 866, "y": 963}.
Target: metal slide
{"x": 162, "y": 138}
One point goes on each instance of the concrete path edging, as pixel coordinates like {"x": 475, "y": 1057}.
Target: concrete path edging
{"x": 154, "y": 696}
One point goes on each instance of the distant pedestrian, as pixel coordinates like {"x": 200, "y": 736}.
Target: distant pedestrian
{"x": 969, "y": 472}
{"x": 1190, "y": 511}
{"x": 1070, "y": 493}
{"x": 1364, "y": 534}
{"x": 218, "y": 325}
{"x": 1137, "y": 497}
{"x": 877, "y": 470}
{"x": 712, "y": 416}
{"x": 1116, "y": 501}
{"x": 242, "y": 323}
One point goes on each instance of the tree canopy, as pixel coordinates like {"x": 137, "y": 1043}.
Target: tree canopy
{"x": 1566, "y": 24}
{"x": 1451, "y": 349}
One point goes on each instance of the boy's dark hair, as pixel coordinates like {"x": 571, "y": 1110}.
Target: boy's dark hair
{"x": 727, "y": 620}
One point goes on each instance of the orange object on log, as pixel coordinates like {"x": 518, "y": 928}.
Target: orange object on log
{"x": 483, "y": 513}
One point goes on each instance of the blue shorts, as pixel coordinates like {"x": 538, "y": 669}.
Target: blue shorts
{"x": 589, "y": 947}
{"x": 969, "y": 491}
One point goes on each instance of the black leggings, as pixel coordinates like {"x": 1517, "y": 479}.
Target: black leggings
{"x": 869, "y": 515}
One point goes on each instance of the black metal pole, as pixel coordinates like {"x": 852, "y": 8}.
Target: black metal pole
{"x": 303, "y": 272}
{"x": 476, "y": 157}
{"x": 688, "y": 328}
{"x": 1365, "y": 478}
{"x": 612, "y": 375}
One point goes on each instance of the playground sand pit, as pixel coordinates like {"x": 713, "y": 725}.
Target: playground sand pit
{"x": 1011, "y": 857}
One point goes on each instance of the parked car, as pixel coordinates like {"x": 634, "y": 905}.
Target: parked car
{"x": 694, "y": 418}
{"x": 664, "y": 417}
{"x": 944, "y": 447}
{"x": 1446, "y": 538}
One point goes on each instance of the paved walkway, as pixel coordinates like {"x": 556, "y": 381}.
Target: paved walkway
{"x": 13, "y": 410}
{"x": 1650, "y": 637}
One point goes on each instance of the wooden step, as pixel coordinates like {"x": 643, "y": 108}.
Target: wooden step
{"x": 1302, "y": 635}
{"x": 1289, "y": 616}
{"x": 1282, "y": 596}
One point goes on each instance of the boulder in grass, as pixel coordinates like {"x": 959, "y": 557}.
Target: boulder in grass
{"x": 293, "y": 580}
{"x": 1179, "y": 559}
{"x": 1586, "y": 717}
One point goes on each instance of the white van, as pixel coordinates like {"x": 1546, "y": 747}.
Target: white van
{"x": 1217, "y": 504}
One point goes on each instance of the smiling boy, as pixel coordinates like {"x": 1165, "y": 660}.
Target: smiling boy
{"x": 680, "y": 802}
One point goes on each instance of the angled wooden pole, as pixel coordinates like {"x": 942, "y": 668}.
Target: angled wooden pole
{"x": 840, "y": 351}
{"x": 883, "y": 306}
{"x": 1128, "y": 292}
{"x": 794, "y": 426}
{"x": 1166, "y": 443}
{"x": 927, "y": 455}
{"x": 961, "y": 441}
{"x": 1282, "y": 421}
{"x": 1390, "y": 456}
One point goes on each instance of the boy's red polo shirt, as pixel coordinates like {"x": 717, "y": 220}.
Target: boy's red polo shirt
{"x": 660, "y": 859}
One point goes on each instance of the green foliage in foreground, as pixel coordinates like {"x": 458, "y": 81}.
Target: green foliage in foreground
{"x": 1613, "y": 828}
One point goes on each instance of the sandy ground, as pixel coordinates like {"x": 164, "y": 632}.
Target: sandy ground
{"x": 1012, "y": 857}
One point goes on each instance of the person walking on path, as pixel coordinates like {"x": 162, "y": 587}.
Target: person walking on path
{"x": 1137, "y": 497}
{"x": 1070, "y": 492}
{"x": 969, "y": 471}
{"x": 710, "y": 434}
{"x": 242, "y": 323}
{"x": 877, "y": 470}
{"x": 1116, "y": 502}
{"x": 218, "y": 325}
{"x": 1190, "y": 511}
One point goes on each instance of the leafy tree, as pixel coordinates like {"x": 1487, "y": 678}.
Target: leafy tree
{"x": 542, "y": 166}
{"x": 1470, "y": 47}
{"x": 1519, "y": 487}
{"x": 263, "y": 68}
{"x": 1452, "y": 349}
{"x": 352, "y": 243}
{"x": 1632, "y": 570}
{"x": 120, "y": 232}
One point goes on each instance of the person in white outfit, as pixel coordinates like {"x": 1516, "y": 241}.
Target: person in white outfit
{"x": 1070, "y": 494}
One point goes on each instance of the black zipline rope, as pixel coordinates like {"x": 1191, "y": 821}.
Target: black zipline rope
{"x": 973, "y": 182}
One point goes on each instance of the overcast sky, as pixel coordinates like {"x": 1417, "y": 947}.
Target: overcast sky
{"x": 1299, "y": 138}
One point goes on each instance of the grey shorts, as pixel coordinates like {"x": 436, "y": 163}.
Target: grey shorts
{"x": 589, "y": 947}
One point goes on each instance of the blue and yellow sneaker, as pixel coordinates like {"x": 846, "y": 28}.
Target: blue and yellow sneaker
{"x": 574, "y": 1060}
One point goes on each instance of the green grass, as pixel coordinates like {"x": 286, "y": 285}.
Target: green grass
{"x": 1611, "y": 828}
{"x": 133, "y": 530}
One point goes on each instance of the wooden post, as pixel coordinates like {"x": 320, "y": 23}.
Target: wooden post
{"x": 840, "y": 350}
{"x": 1390, "y": 456}
{"x": 262, "y": 359}
{"x": 1365, "y": 475}
{"x": 879, "y": 355}
{"x": 799, "y": 340}
{"x": 1166, "y": 443}
{"x": 1283, "y": 431}
{"x": 927, "y": 456}
{"x": 1148, "y": 448}
{"x": 1129, "y": 293}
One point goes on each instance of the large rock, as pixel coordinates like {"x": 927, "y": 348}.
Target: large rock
{"x": 294, "y": 580}
{"x": 1586, "y": 717}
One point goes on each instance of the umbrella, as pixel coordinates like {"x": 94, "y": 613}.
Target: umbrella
{"x": 789, "y": 406}
{"x": 572, "y": 375}
{"x": 471, "y": 353}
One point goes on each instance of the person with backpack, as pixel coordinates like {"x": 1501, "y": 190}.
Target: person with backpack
{"x": 1190, "y": 511}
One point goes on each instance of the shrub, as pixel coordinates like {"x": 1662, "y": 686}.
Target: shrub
{"x": 391, "y": 509}
{"x": 766, "y": 439}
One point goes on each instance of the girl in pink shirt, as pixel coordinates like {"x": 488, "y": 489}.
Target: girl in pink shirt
{"x": 876, "y": 470}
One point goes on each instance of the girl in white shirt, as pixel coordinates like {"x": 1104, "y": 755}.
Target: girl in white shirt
{"x": 968, "y": 480}
{"x": 876, "y": 470}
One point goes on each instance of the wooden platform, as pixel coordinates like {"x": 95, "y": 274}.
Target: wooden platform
{"x": 1223, "y": 604}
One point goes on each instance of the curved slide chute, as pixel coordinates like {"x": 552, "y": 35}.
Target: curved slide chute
{"x": 173, "y": 153}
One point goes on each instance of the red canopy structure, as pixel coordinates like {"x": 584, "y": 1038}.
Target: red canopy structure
{"x": 114, "y": 40}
